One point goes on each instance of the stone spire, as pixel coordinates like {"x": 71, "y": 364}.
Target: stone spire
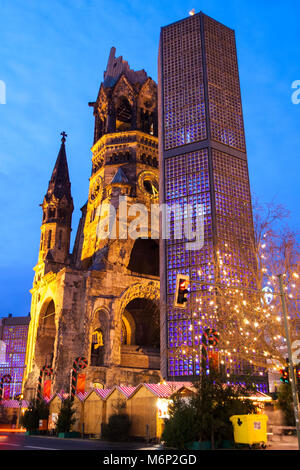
{"x": 59, "y": 184}
{"x": 57, "y": 211}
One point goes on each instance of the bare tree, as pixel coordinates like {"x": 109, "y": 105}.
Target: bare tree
{"x": 248, "y": 304}
{"x": 237, "y": 294}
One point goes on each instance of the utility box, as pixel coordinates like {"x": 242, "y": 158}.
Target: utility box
{"x": 250, "y": 429}
{"x": 43, "y": 425}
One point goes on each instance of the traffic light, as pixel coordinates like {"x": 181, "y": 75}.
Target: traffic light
{"x": 298, "y": 372}
{"x": 182, "y": 290}
{"x": 284, "y": 376}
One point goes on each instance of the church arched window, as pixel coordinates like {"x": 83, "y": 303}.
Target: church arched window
{"x": 60, "y": 240}
{"x": 97, "y": 348}
{"x": 123, "y": 114}
{"x": 49, "y": 239}
{"x": 51, "y": 212}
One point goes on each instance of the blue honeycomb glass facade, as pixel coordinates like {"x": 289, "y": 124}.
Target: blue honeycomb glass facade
{"x": 13, "y": 337}
{"x": 203, "y": 163}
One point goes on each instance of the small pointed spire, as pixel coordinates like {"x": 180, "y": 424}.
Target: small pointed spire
{"x": 119, "y": 177}
{"x": 59, "y": 184}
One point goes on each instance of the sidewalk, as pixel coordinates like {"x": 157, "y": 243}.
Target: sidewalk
{"x": 283, "y": 443}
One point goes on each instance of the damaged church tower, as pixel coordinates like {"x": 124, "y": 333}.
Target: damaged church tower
{"x": 101, "y": 302}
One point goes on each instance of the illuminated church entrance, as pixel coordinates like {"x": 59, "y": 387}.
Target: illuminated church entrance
{"x": 46, "y": 336}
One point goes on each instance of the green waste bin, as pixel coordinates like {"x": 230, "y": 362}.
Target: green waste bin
{"x": 250, "y": 429}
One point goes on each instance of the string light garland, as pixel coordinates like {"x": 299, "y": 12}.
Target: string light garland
{"x": 239, "y": 307}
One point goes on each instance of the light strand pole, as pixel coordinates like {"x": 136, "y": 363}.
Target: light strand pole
{"x": 291, "y": 365}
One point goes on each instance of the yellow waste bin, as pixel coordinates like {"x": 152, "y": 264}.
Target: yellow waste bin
{"x": 250, "y": 429}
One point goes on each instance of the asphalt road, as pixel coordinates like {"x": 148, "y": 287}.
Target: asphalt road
{"x": 15, "y": 441}
{"x": 11, "y": 441}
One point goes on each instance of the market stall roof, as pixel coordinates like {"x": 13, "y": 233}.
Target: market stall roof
{"x": 14, "y": 403}
{"x": 166, "y": 389}
{"x": 126, "y": 390}
{"x": 82, "y": 396}
{"x": 103, "y": 393}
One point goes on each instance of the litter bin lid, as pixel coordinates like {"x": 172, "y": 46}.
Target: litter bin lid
{"x": 249, "y": 417}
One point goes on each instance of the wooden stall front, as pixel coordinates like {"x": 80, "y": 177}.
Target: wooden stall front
{"x": 148, "y": 407}
{"x": 117, "y": 401}
{"x": 143, "y": 413}
{"x": 78, "y": 406}
{"x": 54, "y": 403}
{"x": 94, "y": 411}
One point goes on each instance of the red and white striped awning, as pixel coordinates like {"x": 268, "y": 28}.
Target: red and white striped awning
{"x": 126, "y": 390}
{"x": 167, "y": 389}
{"x": 103, "y": 392}
{"x": 14, "y": 403}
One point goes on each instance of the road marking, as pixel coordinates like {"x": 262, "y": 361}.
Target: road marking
{"x": 7, "y": 444}
{"x": 44, "y": 448}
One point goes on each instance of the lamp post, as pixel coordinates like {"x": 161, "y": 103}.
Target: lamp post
{"x": 20, "y": 399}
{"x": 291, "y": 365}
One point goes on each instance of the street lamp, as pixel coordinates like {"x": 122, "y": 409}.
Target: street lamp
{"x": 290, "y": 356}
{"x": 20, "y": 399}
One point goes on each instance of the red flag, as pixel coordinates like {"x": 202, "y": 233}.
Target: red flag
{"x": 213, "y": 357}
{"x": 47, "y": 388}
{"x": 6, "y": 391}
{"x": 80, "y": 383}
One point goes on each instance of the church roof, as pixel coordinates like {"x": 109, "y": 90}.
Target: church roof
{"x": 120, "y": 177}
{"x": 49, "y": 256}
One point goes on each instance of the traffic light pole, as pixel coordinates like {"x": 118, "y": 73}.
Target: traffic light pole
{"x": 291, "y": 365}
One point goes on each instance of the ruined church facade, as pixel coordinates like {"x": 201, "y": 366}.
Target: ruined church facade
{"x": 100, "y": 300}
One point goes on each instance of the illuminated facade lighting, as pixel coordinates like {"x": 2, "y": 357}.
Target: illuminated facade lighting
{"x": 13, "y": 339}
{"x": 202, "y": 160}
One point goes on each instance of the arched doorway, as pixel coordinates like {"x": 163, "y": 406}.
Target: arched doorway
{"x": 141, "y": 324}
{"x": 46, "y": 334}
{"x": 138, "y": 332}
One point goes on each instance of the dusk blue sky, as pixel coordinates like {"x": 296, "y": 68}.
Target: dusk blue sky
{"x": 52, "y": 58}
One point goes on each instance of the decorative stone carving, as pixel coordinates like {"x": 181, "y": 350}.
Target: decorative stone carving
{"x": 140, "y": 290}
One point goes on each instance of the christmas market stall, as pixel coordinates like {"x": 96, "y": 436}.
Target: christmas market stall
{"x": 55, "y": 403}
{"x": 117, "y": 401}
{"x": 148, "y": 407}
{"x": 94, "y": 411}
